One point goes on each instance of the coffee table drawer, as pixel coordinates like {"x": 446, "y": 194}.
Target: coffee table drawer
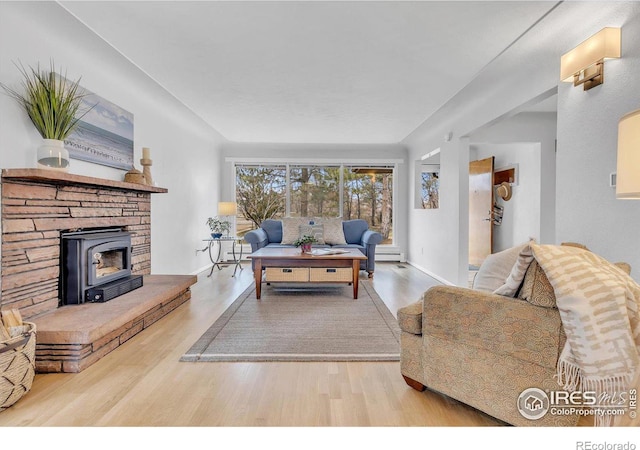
{"x": 286, "y": 274}
{"x": 341, "y": 274}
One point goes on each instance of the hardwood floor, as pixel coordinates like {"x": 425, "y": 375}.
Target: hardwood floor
{"x": 143, "y": 384}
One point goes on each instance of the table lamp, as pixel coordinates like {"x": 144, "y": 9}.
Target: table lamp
{"x": 228, "y": 209}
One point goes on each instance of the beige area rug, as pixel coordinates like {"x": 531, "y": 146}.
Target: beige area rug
{"x": 310, "y": 323}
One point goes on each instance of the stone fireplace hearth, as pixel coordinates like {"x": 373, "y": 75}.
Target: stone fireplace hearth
{"x": 37, "y": 206}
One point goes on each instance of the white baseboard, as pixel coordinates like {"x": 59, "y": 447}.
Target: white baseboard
{"x": 200, "y": 270}
{"x": 389, "y": 253}
{"x": 431, "y": 274}
{"x": 395, "y": 257}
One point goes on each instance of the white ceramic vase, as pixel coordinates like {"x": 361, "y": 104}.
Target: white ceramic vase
{"x": 53, "y": 156}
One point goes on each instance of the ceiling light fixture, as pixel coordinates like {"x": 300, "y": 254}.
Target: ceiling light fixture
{"x": 584, "y": 65}
{"x": 628, "y": 175}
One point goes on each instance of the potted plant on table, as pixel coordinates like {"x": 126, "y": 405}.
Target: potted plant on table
{"x": 305, "y": 242}
{"x": 218, "y": 226}
{"x": 53, "y": 105}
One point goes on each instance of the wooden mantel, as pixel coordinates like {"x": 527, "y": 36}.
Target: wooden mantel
{"x": 55, "y": 177}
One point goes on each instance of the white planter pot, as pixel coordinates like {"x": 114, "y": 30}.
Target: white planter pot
{"x": 53, "y": 156}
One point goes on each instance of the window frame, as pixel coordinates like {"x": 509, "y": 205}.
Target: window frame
{"x": 287, "y": 163}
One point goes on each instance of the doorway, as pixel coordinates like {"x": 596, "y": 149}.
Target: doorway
{"x": 525, "y": 139}
{"x": 480, "y": 211}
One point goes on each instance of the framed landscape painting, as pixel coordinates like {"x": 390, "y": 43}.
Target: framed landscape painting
{"x": 104, "y": 135}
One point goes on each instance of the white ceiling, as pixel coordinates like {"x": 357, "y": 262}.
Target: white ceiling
{"x": 311, "y": 71}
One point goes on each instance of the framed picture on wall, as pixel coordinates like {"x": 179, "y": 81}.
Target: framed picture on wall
{"x": 104, "y": 135}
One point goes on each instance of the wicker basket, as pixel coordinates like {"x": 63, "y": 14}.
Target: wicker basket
{"x": 294, "y": 274}
{"x": 17, "y": 366}
{"x": 339, "y": 274}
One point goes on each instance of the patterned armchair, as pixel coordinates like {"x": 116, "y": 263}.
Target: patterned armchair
{"x": 485, "y": 349}
{"x": 481, "y": 349}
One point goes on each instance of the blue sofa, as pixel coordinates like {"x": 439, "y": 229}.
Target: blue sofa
{"x": 356, "y": 233}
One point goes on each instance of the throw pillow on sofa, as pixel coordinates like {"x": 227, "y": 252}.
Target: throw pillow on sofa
{"x": 316, "y": 230}
{"x": 291, "y": 228}
{"x": 333, "y": 231}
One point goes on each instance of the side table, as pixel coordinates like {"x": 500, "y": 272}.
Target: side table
{"x": 237, "y": 257}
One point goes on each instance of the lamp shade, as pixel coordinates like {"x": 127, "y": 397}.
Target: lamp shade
{"x": 602, "y": 45}
{"x": 227, "y": 208}
{"x": 628, "y": 172}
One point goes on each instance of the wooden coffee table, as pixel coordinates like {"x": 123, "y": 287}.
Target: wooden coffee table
{"x": 290, "y": 265}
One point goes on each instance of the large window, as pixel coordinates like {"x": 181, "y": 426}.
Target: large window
{"x": 314, "y": 191}
{"x": 368, "y": 194}
{"x": 260, "y": 194}
{"x": 266, "y": 191}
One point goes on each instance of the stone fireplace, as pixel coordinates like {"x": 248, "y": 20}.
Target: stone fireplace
{"x": 41, "y": 209}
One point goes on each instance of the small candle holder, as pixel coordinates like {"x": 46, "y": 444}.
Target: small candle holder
{"x": 146, "y": 164}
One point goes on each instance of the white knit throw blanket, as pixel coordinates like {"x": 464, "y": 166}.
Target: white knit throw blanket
{"x": 599, "y": 306}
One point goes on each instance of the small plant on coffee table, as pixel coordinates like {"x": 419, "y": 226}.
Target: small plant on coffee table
{"x": 304, "y": 242}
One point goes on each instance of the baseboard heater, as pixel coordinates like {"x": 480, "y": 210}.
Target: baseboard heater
{"x": 113, "y": 289}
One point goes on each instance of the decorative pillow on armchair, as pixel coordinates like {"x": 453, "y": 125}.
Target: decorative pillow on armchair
{"x": 536, "y": 288}
{"x": 518, "y": 271}
{"x": 496, "y": 268}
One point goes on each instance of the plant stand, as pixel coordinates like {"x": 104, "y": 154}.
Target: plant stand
{"x": 217, "y": 262}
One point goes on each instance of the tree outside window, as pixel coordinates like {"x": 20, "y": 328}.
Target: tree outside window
{"x": 430, "y": 190}
{"x": 350, "y": 192}
{"x": 314, "y": 191}
{"x": 368, "y": 195}
{"x": 260, "y": 195}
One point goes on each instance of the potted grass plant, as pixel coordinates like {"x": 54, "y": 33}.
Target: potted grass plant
{"x": 53, "y": 105}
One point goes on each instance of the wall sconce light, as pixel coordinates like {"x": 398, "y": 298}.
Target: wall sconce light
{"x": 584, "y": 65}
{"x": 628, "y": 175}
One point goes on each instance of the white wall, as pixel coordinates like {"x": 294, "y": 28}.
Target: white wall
{"x": 331, "y": 153}
{"x": 434, "y": 249}
{"x": 526, "y": 70}
{"x": 185, "y": 151}
{"x": 587, "y": 210}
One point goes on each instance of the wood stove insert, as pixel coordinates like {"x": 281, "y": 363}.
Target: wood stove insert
{"x": 96, "y": 265}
